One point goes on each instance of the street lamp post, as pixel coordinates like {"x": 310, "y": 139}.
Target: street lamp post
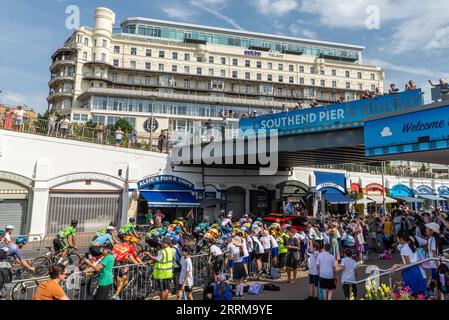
{"x": 152, "y": 121}
{"x": 383, "y": 185}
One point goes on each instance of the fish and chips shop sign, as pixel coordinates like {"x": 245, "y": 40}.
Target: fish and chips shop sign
{"x": 165, "y": 180}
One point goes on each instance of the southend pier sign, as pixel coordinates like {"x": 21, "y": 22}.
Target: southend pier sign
{"x": 333, "y": 117}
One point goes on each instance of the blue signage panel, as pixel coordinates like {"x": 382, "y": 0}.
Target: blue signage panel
{"x": 331, "y": 182}
{"x": 417, "y": 127}
{"x": 337, "y": 116}
{"x": 443, "y": 190}
{"x": 424, "y": 190}
{"x": 401, "y": 190}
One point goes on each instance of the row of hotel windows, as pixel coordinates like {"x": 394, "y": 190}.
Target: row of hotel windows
{"x": 313, "y": 82}
{"x": 105, "y": 120}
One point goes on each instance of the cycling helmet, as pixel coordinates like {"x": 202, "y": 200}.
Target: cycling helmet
{"x": 132, "y": 220}
{"x": 165, "y": 223}
{"x": 21, "y": 240}
{"x": 167, "y": 240}
{"x": 110, "y": 228}
{"x": 74, "y": 223}
{"x": 131, "y": 239}
{"x": 9, "y": 227}
{"x": 2, "y": 232}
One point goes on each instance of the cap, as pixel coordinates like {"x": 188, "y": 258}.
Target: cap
{"x": 435, "y": 227}
{"x": 110, "y": 228}
{"x": 9, "y": 227}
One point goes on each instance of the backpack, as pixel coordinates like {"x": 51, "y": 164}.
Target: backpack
{"x": 255, "y": 289}
{"x": 271, "y": 287}
{"x": 3, "y": 253}
{"x": 443, "y": 278}
{"x": 274, "y": 273}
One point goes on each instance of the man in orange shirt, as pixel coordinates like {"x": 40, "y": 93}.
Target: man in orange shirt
{"x": 50, "y": 289}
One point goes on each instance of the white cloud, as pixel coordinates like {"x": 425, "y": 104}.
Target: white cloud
{"x": 215, "y": 10}
{"x": 414, "y": 24}
{"x": 274, "y": 7}
{"x": 298, "y": 31}
{"x": 178, "y": 12}
{"x": 419, "y": 71}
{"x": 386, "y": 132}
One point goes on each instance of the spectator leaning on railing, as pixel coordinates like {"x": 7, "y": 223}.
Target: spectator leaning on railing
{"x": 19, "y": 115}
{"x": 393, "y": 89}
{"x": 444, "y": 87}
{"x": 410, "y": 86}
{"x": 64, "y": 126}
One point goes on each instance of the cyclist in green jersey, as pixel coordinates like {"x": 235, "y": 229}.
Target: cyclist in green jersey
{"x": 103, "y": 231}
{"x": 65, "y": 239}
{"x": 128, "y": 229}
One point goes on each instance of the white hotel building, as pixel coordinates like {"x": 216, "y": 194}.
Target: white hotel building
{"x": 183, "y": 74}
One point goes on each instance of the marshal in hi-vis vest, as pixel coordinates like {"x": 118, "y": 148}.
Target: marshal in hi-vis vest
{"x": 164, "y": 269}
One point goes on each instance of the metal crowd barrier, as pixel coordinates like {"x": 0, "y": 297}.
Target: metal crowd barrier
{"x": 139, "y": 285}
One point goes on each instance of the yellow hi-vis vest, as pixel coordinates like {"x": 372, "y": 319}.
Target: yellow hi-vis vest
{"x": 164, "y": 269}
{"x": 281, "y": 244}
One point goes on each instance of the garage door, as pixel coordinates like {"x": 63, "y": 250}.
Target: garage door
{"x": 92, "y": 210}
{"x": 13, "y": 212}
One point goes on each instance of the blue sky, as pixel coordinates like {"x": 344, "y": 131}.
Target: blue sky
{"x": 408, "y": 38}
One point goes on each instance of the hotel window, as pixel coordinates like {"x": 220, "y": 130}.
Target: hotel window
{"x": 259, "y": 64}
{"x": 223, "y": 73}
{"x": 334, "y": 72}
{"x": 247, "y": 75}
{"x": 312, "y": 70}
{"x": 186, "y": 69}
{"x": 132, "y": 64}
{"x": 347, "y": 74}
{"x": 174, "y": 68}
{"x": 174, "y": 55}
{"x": 359, "y": 75}
{"x": 103, "y": 57}
{"x": 161, "y": 54}
{"x": 373, "y": 87}
{"x": 301, "y": 69}
{"x": 247, "y": 63}
{"x": 280, "y": 78}
{"x": 312, "y": 82}
{"x": 270, "y": 77}
{"x": 130, "y": 79}
{"x": 199, "y": 71}
{"x": 301, "y": 81}
{"x": 116, "y": 49}
{"x": 211, "y": 72}
{"x": 211, "y": 59}
{"x": 86, "y": 41}
{"x": 148, "y": 52}
{"x": 76, "y": 117}
{"x": 259, "y": 76}
{"x": 291, "y": 79}
{"x": 105, "y": 43}
{"x": 270, "y": 65}
{"x": 199, "y": 59}
{"x": 116, "y": 62}
{"x": 373, "y": 76}
{"x": 147, "y": 80}
{"x": 133, "y": 51}
{"x": 334, "y": 84}
{"x": 322, "y": 72}
{"x": 148, "y": 65}
{"x": 348, "y": 85}
{"x": 223, "y": 60}
{"x": 234, "y": 74}
{"x": 186, "y": 84}
{"x": 291, "y": 68}
{"x": 280, "y": 66}
{"x": 79, "y": 38}
{"x": 161, "y": 67}
{"x": 233, "y": 87}
{"x": 85, "y": 55}
{"x": 323, "y": 83}
{"x": 360, "y": 85}
{"x": 187, "y": 56}
{"x": 234, "y": 62}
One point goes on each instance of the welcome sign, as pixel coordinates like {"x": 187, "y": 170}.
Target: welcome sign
{"x": 430, "y": 125}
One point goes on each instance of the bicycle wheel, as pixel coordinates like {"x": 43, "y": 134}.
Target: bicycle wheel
{"x": 41, "y": 264}
{"x": 73, "y": 259}
{"x": 141, "y": 254}
{"x": 139, "y": 247}
{"x": 23, "y": 290}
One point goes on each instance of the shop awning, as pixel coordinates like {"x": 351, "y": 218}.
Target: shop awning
{"x": 337, "y": 198}
{"x": 170, "y": 199}
{"x": 364, "y": 200}
{"x": 409, "y": 199}
{"x": 379, "y": 199}
{"x": 445, "y": 196}
{"x": 431, "y": 197}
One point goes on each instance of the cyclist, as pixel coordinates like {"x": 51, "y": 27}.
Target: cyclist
{"x": 123, "y": 254}
{"x": 69, "y": 235}
{"x": 9, "y": 230}
{"x": 128, "y": 229}
{"x": 101, "y": 240}
{"x": 15, "y": 252}
{"x": 103, "y": 231}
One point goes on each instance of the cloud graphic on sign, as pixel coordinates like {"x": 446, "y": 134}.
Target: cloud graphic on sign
{"x": 386, "y": 132}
